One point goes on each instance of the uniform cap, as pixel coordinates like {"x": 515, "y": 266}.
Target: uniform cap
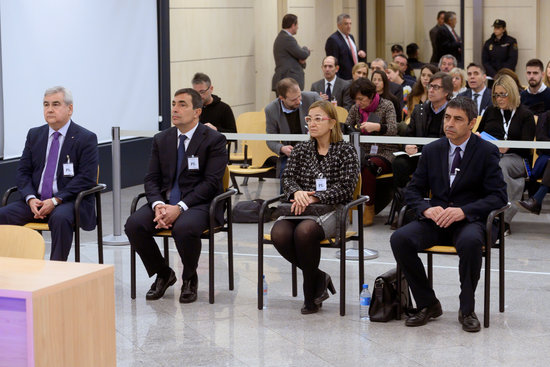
{"x": 499, "y": 23}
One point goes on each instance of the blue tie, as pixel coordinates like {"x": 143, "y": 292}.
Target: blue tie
{"x": 175, "y": 194}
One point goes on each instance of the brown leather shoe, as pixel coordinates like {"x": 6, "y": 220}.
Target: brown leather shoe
{"x": 425, "y": 314}
{"x": 530, "y": 205}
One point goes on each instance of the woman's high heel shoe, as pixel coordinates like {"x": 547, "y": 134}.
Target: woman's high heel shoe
{"x": 323, "y": 294}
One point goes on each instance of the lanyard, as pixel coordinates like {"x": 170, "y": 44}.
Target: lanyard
{"x": 507, "y": 123}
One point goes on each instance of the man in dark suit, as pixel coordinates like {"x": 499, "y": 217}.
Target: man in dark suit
{"x": 433, "y": 35}
{"x": 341, "y": 45}
{"x": 462, "y": 173}
{"x": 59, "y": 160}
{"x": 478, "y": 92}
{"x": 290, "y": 59}
{"x": 332, "y": 88}
{"x": 185, "y": 173}
{"x": 447, "y": 40}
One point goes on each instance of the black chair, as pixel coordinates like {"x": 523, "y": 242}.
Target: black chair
{"x": 346, "y": 236}
{"x": 41, "y": 226}
{"x": 227, "y": 226}
{"x": 451, "y": 250}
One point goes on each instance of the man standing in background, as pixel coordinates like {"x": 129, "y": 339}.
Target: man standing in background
{"x": 341, "y": 45}
{"x": 290, "y": 59}
{"x": 433, "y": 35}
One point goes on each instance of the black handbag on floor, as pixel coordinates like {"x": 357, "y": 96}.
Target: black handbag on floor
{"x": 383, "y": 306}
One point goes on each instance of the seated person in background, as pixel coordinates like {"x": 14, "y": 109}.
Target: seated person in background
{"x": 395, "y": 75}
{"x": 381, "y": 82}
{"x": 539, "y": 168}
{"x": 447, "y": 63}
{"x": 534, "y": 203}
{"x": 215, "y": 114}
{"x": 508, "y": 119}
{"x": 478, "y": 92}
{"x": 360, "y": 70}
{"x": 426, "y": 122}
{"x": 537, "y": 96}
{"x": 403, "y": 62}
{"x": 372, "y": 115}
{"x": 323, "y": 170}
{"x": 395, "y": 89}
{"x": 59, "y": 161}
{"x": 419, "y": 92}
{"x": 412, "y": 55}
{"x": 459, "y": 81}
{"x": 332, "y": 88}
{"x": 470, "y": 166}
{"x": 512, "y": 74}
{"x": 185, "y": 173}
{"x": 286, "y": 115}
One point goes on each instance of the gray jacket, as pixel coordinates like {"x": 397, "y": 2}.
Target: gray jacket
{"x": 340, "y": 91}
{"x": 287, "y": 53}
{"x": 276, "y": 123}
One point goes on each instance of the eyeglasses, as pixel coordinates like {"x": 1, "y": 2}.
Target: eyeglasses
{"x": 316, "y": 119}
{"x": 434, "y": 87}
{"x": 204, "y": 91}
{"x": 500, "y": 95}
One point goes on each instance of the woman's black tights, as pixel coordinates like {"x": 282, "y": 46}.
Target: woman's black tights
{"x": 298, "y": 242}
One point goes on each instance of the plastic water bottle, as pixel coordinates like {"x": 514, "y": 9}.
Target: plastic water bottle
{"x": 265, "y": 292}
{"x": 364, "y": 303}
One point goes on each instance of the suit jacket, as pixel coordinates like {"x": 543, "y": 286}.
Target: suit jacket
{"x": 80, "y": 145}
{"x": 478, "y": 187}
{"x": 446, "y": 44}
{"x": 338, "y": 47}
{"x": 486, "y": 98}
{"x": 433, "y": 40}
{"x": 340, "y": 91}
{"x": 287, "y": 53}
{"x": 397, "y": 91}
{"x": 276, "y": 123}
{"x": 198, "y": 187}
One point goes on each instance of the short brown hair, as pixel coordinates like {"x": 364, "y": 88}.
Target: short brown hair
{"x": 330, "y": 110}
{"x": 289, "y": 20}
{"x": 284, "y": 85}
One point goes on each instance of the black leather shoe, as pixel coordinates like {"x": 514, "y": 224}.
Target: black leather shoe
{"x": 160, "y": 286}
{"x": 189, "y": 290}
{"x": 470, "y": 323}
{"x": 306, "y": 310}
{"x": 530, "y": 205}
{"x": 422, "y": 316}
{"x": 323, "y": 289}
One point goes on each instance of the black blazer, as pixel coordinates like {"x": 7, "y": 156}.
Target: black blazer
{"x": 338, "y": 47}
{"x": 477, "y": 189}
{"x": 486, "y": 98}
{"x": 198, "y": 187}
{"x": 80, "y": 145}
{"x": 446, "y": 44}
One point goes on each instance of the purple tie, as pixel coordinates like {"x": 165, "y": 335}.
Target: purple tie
{"x": 456, "y": 161}
{"x": 49, "y": 173}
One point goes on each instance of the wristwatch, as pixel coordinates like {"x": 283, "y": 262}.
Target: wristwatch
{"x": 181, "y": 208}
{"x": 54, "y": 201}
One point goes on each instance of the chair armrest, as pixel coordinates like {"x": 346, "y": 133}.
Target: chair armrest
{"x": 135, "y": 202}
{"x": 360, "y": 200}
{"x": 221, "y": 197}
{"x": 82, "y": 194}
{"x": 401, "y": 216}
{"x": 491, "y": 218}
{"x": 264, "y": 207}
{"x": 7, "y": 194}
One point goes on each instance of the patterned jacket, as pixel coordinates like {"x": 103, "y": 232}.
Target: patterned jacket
{"x": 340, "y": 167}
{"x": 388, "y": 126}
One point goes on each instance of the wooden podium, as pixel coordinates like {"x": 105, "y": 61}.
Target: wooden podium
{"x": 56, "y": 314}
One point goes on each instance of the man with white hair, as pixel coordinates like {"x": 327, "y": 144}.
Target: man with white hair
{"x": 341, "y": 45}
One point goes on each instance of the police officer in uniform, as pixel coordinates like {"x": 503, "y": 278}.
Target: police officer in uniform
{"x": 499, "y": 51}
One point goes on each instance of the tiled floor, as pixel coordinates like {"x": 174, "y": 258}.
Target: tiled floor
{"x": 233, "y": 332}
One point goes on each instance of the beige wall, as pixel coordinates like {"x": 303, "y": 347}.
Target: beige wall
{"x": 232, "y": 40}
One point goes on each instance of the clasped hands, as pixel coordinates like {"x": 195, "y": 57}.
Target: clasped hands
{"x": 301, "y": 200}
{"x": 41, "y": 208}
{"x": 166, "y": 215}
{"x": 369, "y": 127}
{"x": 444, "y": 217}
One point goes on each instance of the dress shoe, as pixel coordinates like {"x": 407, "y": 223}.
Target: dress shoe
{"x": 368, "y": 215}
{"x": 323, "y": 289}
{"x": 530, "y": 205}
{"x": 189, "y": 290}
{"x": 470, "y": 323}
{"x": 422, "y": 316}
{"x": 160, "y": 286}
{"x": 309, "y": 309}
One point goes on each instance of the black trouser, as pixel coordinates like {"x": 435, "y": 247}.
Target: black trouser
{"x": 467, "y": 237}
{"x": 186, "y": 231}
